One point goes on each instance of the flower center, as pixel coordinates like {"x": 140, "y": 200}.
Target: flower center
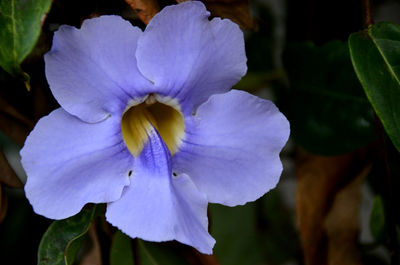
{"x": 139, "y": 120}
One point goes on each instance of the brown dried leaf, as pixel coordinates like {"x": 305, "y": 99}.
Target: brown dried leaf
{"x": 324, "y": 185}
{"x": 93, "y": 257}
{"x": 7, "y": 174}
{"x": 236, "y": 10}
{"x": 342, "y": 224}
{"x": 145, "y": 9}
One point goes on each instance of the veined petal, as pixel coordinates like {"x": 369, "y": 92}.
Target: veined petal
{"x": 232, "y": 147}
{"x": 70, "y": 163}
{"x": 188, "y": 57}
{"x": 92, "y": 71}
{"x": 157, "y": 207}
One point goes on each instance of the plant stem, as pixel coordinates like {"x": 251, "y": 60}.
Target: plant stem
{"x": 367, "y": 13}
{"x": 135, "y": 251}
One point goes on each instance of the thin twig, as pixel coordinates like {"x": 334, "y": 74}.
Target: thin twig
{"x": 367, "y": 13}
{"x": 135, "y": 251}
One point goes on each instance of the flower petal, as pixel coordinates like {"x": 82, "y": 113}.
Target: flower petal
{"x": 231, "y": 150}
{"x": 92, "y": 71}
{"x": 189, "y": 57}
{"x": 158, "y": 208}
{"x": 70, "y": 163}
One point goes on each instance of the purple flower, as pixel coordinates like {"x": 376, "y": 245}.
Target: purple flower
{"x": 148, "y": 124}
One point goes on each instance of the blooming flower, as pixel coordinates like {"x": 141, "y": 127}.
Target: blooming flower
{"x": 148, "y": 125}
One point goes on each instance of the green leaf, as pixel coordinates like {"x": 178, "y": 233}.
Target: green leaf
{"x": 262, "y": 229}
{"x": 326, "y": 106}
{"x": 375, "y": 54}
{"x": 121, "y": 250}
{"x": 234, "y": 229}
{"x": 20, "y": 26}
{"x": 377, "y": 219}
{"x": 63, "y": 238}
{"x": 159, "y": 254}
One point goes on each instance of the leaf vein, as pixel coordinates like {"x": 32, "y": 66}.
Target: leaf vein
{"x": 391, "y": 71}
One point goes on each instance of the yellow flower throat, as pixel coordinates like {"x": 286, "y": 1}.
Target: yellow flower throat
{"x": 138, "y": 121}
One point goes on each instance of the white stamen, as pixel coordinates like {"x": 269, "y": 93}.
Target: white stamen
{"x": 150, "y": 100}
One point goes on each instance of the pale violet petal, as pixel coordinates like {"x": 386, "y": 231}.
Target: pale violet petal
{"x": 232, "y": 146}
{"x": 189, "y": 57}
{"x": 70, "y": 163}
{"x": 92, "y": 71}
{"x": 157, "y": 207}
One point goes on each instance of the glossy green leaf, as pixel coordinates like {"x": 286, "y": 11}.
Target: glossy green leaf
{"x": 377, "y": 219}
{"x": 159, "y": 254}
{"x": 63, "y": 238}
{"x": 375, "y": 54}
{"x": 325, "y": 104}
{"x": 20, "y": 26}
{"x": 121, "y": 250}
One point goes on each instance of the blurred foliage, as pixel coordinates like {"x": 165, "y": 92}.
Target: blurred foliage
{"x": 154, "y": 253}
{"x": 121, "y": 250}
{"x": 325, "y": 100}
{"x": 377, "y": 219}
{"x": 262, "y": 229}
{"x": 21, "y": 231}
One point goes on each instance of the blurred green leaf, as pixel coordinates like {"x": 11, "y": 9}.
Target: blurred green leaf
{"x": 20, "y": 25}
{"x": 253, "y": 82}
{"x": 326, "y": 105}
{"x": 276, "y": 225}
{"x": 121, "y": 250}
{"x": 260, "y": 232}
{"x": 63, "y": 239}
{"x": 375, "y": 54}
{"x": 159, "y": 254}
{"x": 377, "y": 219}
{"x": 234, "y": 229}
